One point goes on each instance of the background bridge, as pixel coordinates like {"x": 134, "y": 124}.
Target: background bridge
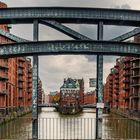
{"x": 56, "y": 105}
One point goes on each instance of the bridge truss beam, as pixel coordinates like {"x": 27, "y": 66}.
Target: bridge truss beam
{"x": 64, "y": 29}
{"x": 71, "y": 15}
{"x": 69, "y": 47}
{"x": 68, "y": 31}
{"x": 127, "y": 35}
{"x": 12, "y": 37}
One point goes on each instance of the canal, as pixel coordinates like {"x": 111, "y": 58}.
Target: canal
{"x": 53, "y": 125}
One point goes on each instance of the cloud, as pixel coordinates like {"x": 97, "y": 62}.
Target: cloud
{"x": 55, "y": 68}
{"x": 124, "y": 6}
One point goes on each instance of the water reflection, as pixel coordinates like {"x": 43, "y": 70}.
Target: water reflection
{"x": 56, "y": 126}
{"x": 53, "y": 125}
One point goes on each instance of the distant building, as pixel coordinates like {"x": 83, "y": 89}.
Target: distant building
{"x": 71, "y": 95}
{"x": 54, "y": 97}
{"x": 90, "y": 98}
{"x": 40, "y": 92}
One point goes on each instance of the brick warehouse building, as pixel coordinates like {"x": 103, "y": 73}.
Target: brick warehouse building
{"x": 108, "y": 90}
{"x": 71, "y": 96}
{"x": 134, "y": 97}
{"x": 125, "y": 96}
{"x": 117, "y": 86}
{"x": 15, "y": 80}
{"x": 90, "y": 98}
{"x": 4, "y": 97}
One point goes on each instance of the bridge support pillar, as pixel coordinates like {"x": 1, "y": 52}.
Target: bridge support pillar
{"x": 35, "y": 87}
{"x": 99, "y": 86}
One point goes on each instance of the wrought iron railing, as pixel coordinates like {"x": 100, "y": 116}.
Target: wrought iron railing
{"x": 70, "y": 128}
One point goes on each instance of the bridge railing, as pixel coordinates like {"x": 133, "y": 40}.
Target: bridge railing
{"x": 70, "y": 128}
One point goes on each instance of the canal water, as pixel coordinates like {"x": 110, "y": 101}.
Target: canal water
{"x": 53, "y": 125}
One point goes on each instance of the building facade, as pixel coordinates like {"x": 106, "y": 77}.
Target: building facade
{"x": 71, "y": 96}
{"x": 117, "y": 86}
{"x": 90, "y": 98}
{"x": 134, "y": 103}
{"x": 122, "y": 86}
{"x": 15, "y": 80}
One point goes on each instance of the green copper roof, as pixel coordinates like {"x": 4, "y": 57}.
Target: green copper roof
{"x": 71, "y": 83}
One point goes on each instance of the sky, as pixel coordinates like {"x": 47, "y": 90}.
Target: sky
{"x": 53, "y": 69}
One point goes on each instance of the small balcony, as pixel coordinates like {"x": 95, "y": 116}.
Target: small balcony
{"x": 3, "y": 65}
{"x": 116, "y": 87}
{"x": 20, "y": 79}
{"x": 116, "y": 82}
{"x": 3, "y": 76}
{"x": 110, "y": 94}
{"x": 3, "y": 92}
{"x": 21, "y": 66}
{"x": 21, "y": 59}
{"x": 135, "y": 84}
{"x": 20, "y": 96}
{"x": 135, "y": 59}
{"x": 127, "y": 74}
{"x": 126, "y": 67}
{"x": 29, "y": 70}
{"x": 20, "y": 72}
{"x": 30, "y": 90}
{"x": 116, "y": 77}
{"x": 29, "y": 75}
{"x": 126, "y": 88}
{"x": 135, "y": 67}
{"x": 29, "y": 85}
{"x": 135, "y": 76}
{"x": 126, "y": 59}
{"x": 135, "y": 94}
{"x": 116, "y": 92}
{"x": 29, "y": 81}
{"x": 126, "y": 81}
{"x": 20, "y": 86}
{"x": 126, "y": 96}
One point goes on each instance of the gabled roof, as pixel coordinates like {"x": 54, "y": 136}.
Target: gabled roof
{"x": 71, "y": 83}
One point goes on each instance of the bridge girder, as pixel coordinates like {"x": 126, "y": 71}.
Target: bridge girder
{"x": 64, "y": 29}
{"x": 12, "y": 37}
{"x": 70, "y": 15}
{"x": 69, "y": 47}
{"x": 68, "y": 31}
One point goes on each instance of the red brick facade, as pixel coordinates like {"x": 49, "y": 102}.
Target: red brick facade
{"x": 90, "y": 98}
{"x": 119, "y": 81}
{"x": 125, "y": 82}
{"x": 15, "y": 80}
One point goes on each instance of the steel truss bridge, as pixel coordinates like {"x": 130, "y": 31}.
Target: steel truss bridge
{"x": 55, "y": 17}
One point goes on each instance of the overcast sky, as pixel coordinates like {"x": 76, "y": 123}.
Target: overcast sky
{"x": 53, "y": 69}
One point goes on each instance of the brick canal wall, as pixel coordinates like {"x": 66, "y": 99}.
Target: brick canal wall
{"x": 15, "y": 115}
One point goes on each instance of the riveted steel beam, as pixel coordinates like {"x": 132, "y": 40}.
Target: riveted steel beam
{"x": 69, "y": 47}
{"x": 64, "y": 29}
{"x": 99, "y": 86}
{"x": 71, "y": 15}
{"x": 68, "y": 31}
{"x": 35, "y": 87}
{"x": 127, "y": 35}
{"x": 12, "y": 37}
